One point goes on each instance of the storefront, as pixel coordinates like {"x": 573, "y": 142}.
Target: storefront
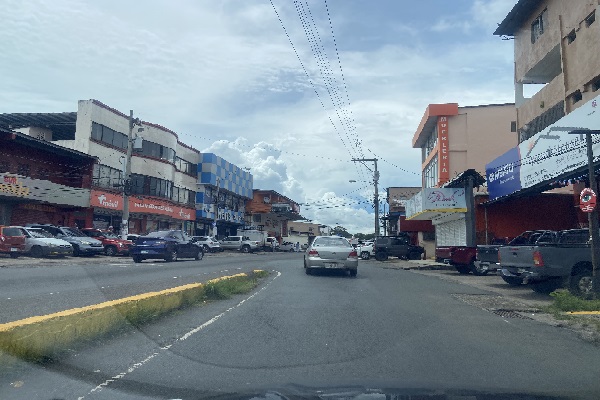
{"x": 25, "y": 200}
{"x": 146, "y": 214}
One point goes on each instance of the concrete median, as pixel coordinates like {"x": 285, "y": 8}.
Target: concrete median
{"x": 41, "y": 337}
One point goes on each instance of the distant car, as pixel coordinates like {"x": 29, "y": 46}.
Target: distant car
{"x": 12, "y": 241}
{"x": 113, "y": 245}
{"x": 271, "y": 244}
{"x": 331, "y": 252}
{"x": 241, "y": 243}
{"x": 287, "y": 246}
{"x": 168, "y": 245}
{"x": 366, "y": 250}
{"x": 209, "y": 244}
{"x": 82, "y": 244}
{"x": 133, "y": 237}
{"x": 40, "y": 243}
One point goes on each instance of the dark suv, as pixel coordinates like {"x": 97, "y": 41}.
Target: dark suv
{"x": 396, "y": 246}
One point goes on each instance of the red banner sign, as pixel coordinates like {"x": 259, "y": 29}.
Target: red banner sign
{"x": 443, "y": 151}
{"x": 146, "y": 206}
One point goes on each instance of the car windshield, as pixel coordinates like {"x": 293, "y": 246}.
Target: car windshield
{"x": 311, "y": 190}
{"x": 13, "y": 232}
{"x": 39, "y": 233}
{"x": 159, "y": 234}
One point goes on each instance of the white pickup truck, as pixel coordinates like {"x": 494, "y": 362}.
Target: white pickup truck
{"x": 241, "y": 243}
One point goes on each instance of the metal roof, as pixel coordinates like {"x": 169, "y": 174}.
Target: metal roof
{"x": 62, "y": 124}
{"x": 516, "y": 17}
{"x": 44, "y": 145}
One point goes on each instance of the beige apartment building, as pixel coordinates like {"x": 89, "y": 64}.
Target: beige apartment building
{"x": 453, "y": 139}
{"x": 556, "y": 44}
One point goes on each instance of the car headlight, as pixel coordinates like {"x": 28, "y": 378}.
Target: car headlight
{"x": 52, "y": 245}
{"x": 85, "y": 242}
{"x": 160, "y": 242}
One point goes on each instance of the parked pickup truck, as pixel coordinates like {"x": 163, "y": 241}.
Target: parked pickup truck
{"x": 487, "y": 255}
{"x": 557, "y": 259}
{"x": 241, "y": 243}
{"x": 397, "y": 246}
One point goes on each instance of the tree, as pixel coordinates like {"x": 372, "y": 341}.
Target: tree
{"x": 340, "y": 231}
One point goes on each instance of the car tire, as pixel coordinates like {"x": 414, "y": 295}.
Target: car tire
{"x": 110, "y": 251}
{"x": 547, "y": 287}
{"x": 14, "y": 255}
{"x": 291, "y": 250}
{"x": 36, "y": 251}
{"x": 308, "y": 271}
{"x": 414, "y": 255}
{"x": 365, "y": 255}
{"x": 171, "y": 255}
{"x": 477, "y": 271}
{"x": 199, "y": 255}
{"x": 462, "y": 269}
{"x": 512, "y": 280}
{"x": 381, "y": 256}
{"x": 353, "y": 273}
{"x": 76, "y": 251}
{"x": 205, "y": 248}
{"x": 581, "y": 283}
{"x": 137, "y": 259}
{"x": 246, "y": 249}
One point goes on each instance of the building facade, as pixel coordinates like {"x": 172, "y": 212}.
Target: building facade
{"x": 271, "y": 212}
{"x": 41, "y": 182}
{"x": 222, "y": 192}
{"x": 164, "y": 170}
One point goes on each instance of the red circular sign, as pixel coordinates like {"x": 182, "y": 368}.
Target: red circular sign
{"x": 587, "y": 200}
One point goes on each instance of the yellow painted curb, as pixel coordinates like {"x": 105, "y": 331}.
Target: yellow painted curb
{"x": 40, "y": 336}
{"x": 583, "y": 312}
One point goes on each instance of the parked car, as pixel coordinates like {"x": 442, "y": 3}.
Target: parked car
{"x": 113, "y": 245}
{"x": 82, "y": 244}
{"x": 557, "y": 259}
{"x": 40, "y": 243}
{"x": 397, "y": 246}
{"x": 366, "y": 250}
{"x": 12, "y": 241}
{"x": 133, "y": 237}
{"x": 331, "y": 252}
{"x": 168, "y": 245}
{"x": 240, "y": 243}
{"x": 271, "y": 244}
{"x": 209, "y": 244}
{"x": 287, "y": 246}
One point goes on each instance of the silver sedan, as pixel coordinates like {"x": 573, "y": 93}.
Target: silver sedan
{"x": 331, "y": 252}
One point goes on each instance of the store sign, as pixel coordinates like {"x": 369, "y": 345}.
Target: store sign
{"x": 143, "y": 206}
{"x": 444, "y": 150}
{"x": 554, "y": 151}
{"x": 431, "y": 202}
{"x": 504, "y": 174}
{"x": 14, "y": 185}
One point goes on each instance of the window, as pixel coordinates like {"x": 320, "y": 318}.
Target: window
{"x": 96, "y": 131}
{"x": 186, "y": 166}
{"x": 590, "y": 18}
{"x": 576, "y": 97}
{"x": 513, "y": 126}
{"x": 596, "y": 85}
{"x": 571, "y": 36}
{"x": 430, "y": 144}
{"x": 109, "y": 136}
{"x": 430, "y": 173}
{"x": 538, "y": 26}
{"x": 106, "y": 177}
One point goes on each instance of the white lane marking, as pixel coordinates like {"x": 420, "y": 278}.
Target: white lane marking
{"x": 180, "y": 339}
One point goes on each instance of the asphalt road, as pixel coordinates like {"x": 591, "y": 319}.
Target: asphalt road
{"x": 298, "y": 334}
{"x": 30, "y": 287}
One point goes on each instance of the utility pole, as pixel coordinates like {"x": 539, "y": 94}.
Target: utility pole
{"x": 216, "y": 208}
{"x": 375, "y": 182}
{"x": 593, "y": 219}
{"x": 127, "y": 176}
{"x": 127, "y": 179}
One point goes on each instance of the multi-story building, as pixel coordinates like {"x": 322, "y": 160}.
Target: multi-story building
{"x": 41, "y": 182}
{"x": 271, "y": 212}
{"x": 164, "y": 170}
{"x": 222, "y": 193}
{"x": 556, "y": 49}
{"x": 454, "y": 140}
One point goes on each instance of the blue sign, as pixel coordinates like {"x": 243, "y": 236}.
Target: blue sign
{"x": 504, "y": 174}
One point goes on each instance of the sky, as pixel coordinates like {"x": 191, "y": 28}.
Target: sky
{"x": 293, "y": 90}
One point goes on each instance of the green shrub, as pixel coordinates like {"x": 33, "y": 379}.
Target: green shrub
{"x": 565, "y": 301}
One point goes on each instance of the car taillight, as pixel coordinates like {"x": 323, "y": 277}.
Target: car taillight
{"x": 353, "y": 254}
{"x": 538, "y": 261}
{"x": 313, "y": 253}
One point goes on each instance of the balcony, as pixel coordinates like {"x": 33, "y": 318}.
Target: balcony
{"x": 541, "y": 110}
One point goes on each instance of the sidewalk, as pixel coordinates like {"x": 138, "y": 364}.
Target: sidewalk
{"x": 397, "y": 263}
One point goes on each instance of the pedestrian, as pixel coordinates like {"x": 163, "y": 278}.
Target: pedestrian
{"x": 297, "y": 246}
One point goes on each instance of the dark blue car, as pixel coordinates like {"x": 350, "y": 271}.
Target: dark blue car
{"x": 166, "y": 245}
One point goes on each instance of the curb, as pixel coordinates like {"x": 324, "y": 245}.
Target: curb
{"x": 37, "y": 338}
